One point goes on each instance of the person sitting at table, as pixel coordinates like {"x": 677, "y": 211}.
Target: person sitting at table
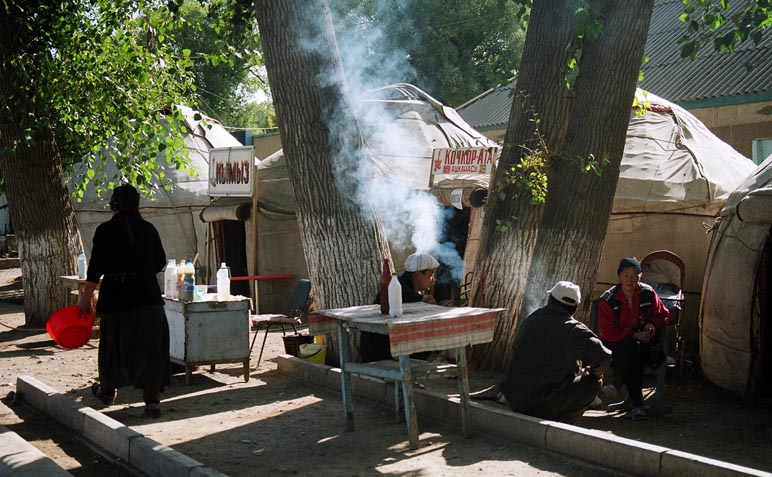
{"x": 630, "y": 321}
{"x": 416, "y": 281}
{"x": 544, "y": 378}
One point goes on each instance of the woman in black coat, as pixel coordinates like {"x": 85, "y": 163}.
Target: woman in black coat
{"x": 133, "y": 334}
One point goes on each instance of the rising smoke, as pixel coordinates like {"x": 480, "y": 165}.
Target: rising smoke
{"x": 388, "y": 180}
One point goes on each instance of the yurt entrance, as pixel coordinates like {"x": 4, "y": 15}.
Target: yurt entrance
{"x": 230, "y": 242}
{"x": 450, "y": 274}
{"x": 764, "y": 314}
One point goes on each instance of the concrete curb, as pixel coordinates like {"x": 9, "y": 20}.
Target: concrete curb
{"x": 590, "y": 445}
{"x": 19, "y": 458}
{"x": 109, "y": 435}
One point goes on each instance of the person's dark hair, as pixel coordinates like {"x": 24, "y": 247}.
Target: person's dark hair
{"x": 571, "y": 309}
{"x": 125, "y": 198}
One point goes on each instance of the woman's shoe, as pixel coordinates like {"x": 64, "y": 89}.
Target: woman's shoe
{"x": 96, "y": 390}
{"x": 153, "y": 410}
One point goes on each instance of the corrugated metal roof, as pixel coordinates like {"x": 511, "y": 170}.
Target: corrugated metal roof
{"x": 490, "y": 110}
{"x": 712, "y": 76}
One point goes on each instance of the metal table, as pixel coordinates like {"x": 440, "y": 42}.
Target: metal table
{"x": 422, "y": 327}
{"x": 208, "y": 332}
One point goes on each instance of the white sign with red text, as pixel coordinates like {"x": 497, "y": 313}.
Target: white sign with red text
{"x": 470, "y": 160}
{"x": 231, "y": 171}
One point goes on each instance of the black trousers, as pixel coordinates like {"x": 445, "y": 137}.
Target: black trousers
{"x": 567, "y": 405}
{"x": 629, "y": 356}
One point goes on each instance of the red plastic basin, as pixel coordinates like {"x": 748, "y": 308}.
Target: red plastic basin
{"x": 68, "y": 329}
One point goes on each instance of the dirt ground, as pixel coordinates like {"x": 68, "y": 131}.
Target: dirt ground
{"x": 273, "y": 425}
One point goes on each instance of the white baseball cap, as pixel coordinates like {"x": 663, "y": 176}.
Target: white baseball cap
{"x": 420, "y": 261}
{"x": 567, "y": 293}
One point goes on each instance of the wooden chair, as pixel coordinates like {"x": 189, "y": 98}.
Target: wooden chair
{"x": 301, "y": 300}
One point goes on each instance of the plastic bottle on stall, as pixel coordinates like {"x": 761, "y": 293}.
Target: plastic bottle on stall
{"x": 223, "y": 283}
{"x": 170, "y": 279}
{"x": 180, "y": 276}
{"x": 82, "y": 265}
{"x": 383, "y": 286}
{"x": 395, "y": 297}
{"x": 188, "y": 282}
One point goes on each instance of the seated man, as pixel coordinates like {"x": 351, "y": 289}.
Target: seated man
{"x": 631, "y": 322}
{"x": 544, "y": 378}
{"x": 416, "y": 281}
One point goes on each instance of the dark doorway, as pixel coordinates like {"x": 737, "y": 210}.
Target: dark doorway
{"x": 765, "y": 322}
{"x": 231, "y": 246}
{"x": 451, "y": 256}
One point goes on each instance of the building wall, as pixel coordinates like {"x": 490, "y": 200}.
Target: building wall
{"x": 266, "y": 144}
{"x": 738, "y": 125}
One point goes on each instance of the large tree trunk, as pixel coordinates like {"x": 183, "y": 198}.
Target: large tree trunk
{"x": 38, "y": 201}
{"x": 539, "y": 113}
{"x": 578, "y": 206}
{"x": 342, "y": 242}
{"x": 562, "y": 240}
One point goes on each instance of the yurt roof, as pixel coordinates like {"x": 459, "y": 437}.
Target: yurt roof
{"x": 672, "y": 162}
{"x": 204, "y": 133}
{"x": 403, "y": 144}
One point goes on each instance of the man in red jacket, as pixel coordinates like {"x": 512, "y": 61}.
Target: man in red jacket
{"x": 631, "y": 318}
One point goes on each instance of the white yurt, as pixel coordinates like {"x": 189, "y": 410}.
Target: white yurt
{"x": 175, "y": 213}
{"x": 735, "y": 326}
{"x": 413, "y": 125}
{"x": 675, "y": 175}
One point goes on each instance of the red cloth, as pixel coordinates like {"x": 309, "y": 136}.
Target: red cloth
{"x": 612, "y": 332}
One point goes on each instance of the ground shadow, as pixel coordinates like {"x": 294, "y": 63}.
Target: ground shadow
{"x": 37, "y": 427}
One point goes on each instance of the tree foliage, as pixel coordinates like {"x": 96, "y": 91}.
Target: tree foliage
{"x": 454, "y": 57}
{"x": 226, "y": 60}
{"x": 723, "y": 24}
{"x": 92, "y": 74}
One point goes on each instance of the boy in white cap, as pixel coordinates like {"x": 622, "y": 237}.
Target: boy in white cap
{"x": 416, "y": 281}
{"x": 544, "y": 379}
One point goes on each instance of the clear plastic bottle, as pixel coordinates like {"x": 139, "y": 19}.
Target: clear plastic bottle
{"x": 395, "y": 297}
{"x": 170, "y": 279}
{"x": 82, "y": 265}
{"x": 223, "y": 283}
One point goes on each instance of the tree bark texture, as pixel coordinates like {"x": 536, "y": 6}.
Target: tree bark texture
{"x": 38, "y": 201}
{"x": 539, "y": 113}
{"x": 342, "y": 241}
{"x": 578, "y": 205}
{"x": 563, "y": 239}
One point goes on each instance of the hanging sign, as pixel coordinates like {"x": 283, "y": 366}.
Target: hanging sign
{"x": 231, "y": 171}
{"x": 468, "y": 160}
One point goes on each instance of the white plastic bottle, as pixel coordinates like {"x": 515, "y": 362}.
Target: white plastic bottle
{"x": 170, "y": 279}
{"x": 223, "y": 284}
{"x": 395, "y": 297}
{"x": 180, "y": 276}
{"x": 82, "y": 265}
